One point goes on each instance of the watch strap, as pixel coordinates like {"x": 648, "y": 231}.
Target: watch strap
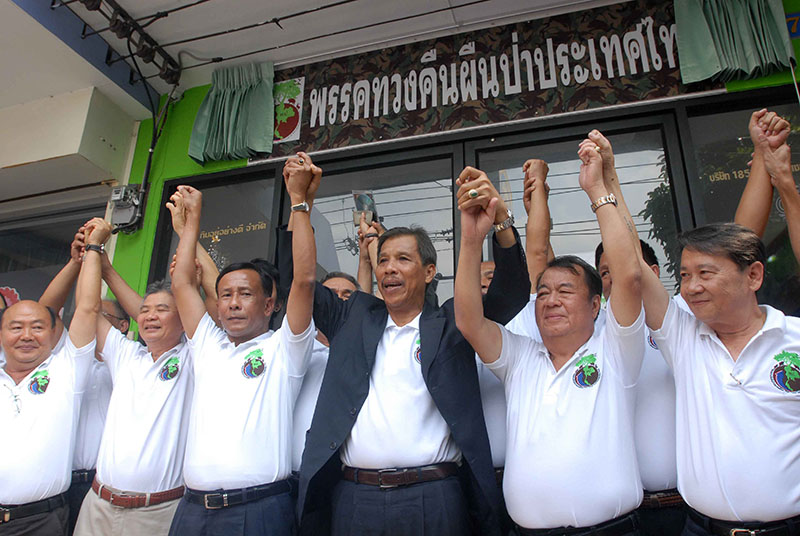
{"x": 604, "y": 200}
{"x": 94, "y": 247}
{"x": 505, "y": 224}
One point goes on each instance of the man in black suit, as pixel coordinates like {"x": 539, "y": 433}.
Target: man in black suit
{"x": 398, "y": 442}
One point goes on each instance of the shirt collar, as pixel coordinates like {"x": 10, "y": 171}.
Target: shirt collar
{"x": 227, "y": 343}
{"x": 413, "y": 324}
{"x": 775, "y": 320}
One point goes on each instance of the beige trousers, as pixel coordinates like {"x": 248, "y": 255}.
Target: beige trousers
{"x": 101, "y": 518}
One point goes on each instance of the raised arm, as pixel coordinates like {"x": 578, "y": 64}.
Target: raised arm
{"x": 55, "y": 295}
{"x": 367, "y": 236}
{"x": 618, "y": 243}
{"x": 187, "y": 297}
{"x": 87, "y": 295}
{"x": 778, "y": 164}
{"x": 483, "y": 334}
{"x": 129, "y": 299}
{"x": 756, "y": 201}
{"x": 537, "y": 229}
{"x": 299, "y": 306}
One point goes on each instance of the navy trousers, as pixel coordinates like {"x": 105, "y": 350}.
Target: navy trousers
{"x": 662, "y": 521}
{"x": 270, "y": 516}
{"x": 437, "y": 508}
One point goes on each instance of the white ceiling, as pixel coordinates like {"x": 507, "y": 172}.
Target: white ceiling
{"x": 36, "y": 64}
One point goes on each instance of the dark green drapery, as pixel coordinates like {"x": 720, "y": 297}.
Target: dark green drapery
{"x": 731, "y": 39}
{"x": 236, "y": 119}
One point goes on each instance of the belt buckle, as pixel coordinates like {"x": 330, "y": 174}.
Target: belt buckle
{"x": 381, "y": 472}
{"x": 742, "y": 532}
{"x": 223, "y": 496}
{"x": 5, "y": 515}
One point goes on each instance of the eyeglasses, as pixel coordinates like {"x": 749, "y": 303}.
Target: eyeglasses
{"x": 109, "y": 315}
{"x": 15, "y": 398}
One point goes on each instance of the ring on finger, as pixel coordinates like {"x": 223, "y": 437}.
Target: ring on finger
{"x": 596, "y": 147}
{"x": 300, "y": 161}
{"x": 473, "y": 193}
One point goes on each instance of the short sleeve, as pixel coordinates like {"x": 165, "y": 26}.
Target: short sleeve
{"x": 114, "y": 349}
{"x": 515, "y": 347}
{"x": 81, "y": 359}
{"x": 525, "y": 321}
{"x": 296, "y": 348}
{"x": 623, "y": 346}
{"x": 677, "y": 333}
{"x": 206, "y": 332}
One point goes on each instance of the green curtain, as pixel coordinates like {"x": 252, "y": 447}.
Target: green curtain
{"x": 731, "y": 39}
{"x": 236, "y": 119}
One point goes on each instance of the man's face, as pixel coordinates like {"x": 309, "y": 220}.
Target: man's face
{"x": 487, "y": 274}
{"x": 563, "y": 306}
{"x": 400, "y": 273}
{"x": 110, "y": 313}
{"x": 159, "y": 323}
{"x": 27, "y": 334}
{"x": 341, "y": 286}
{"x": 243, "y": 308}
{"x": 605, "y": 274}
{"x": 714, "y": 286}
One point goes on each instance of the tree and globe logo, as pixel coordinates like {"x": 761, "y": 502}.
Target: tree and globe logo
{"x": 587, "y": 373}
{"x": 39, "y": 382}
{"x": 786, "y": 374}
{"x": 170, "y": 369}
{"x": 253, "y": 364}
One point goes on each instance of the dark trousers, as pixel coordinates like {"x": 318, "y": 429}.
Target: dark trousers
{"x": 52, "y": 523}
{"x": 75, "y": 495}
{"x": 270, "y": 516}
{"x": 436, "y": 508}
{"x": 662, "y": 521}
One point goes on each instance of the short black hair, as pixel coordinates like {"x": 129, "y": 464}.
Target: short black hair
{"x": 162, "y": 285}
{"x": 341, "y": 275}
{"x": 570, "y": 262}
{"x": 731, "y": 240}
{"x": 648, "y": 254}
{"x": 424, "y": 245}
{"x": 266, "y": 280}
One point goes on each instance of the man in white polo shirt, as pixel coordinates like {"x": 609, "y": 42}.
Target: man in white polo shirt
{"x": 238, "y": 454}
{"x": 40, "y": 394}
{"x": 569, "y": 398}
{"x": 139, "y": 468}
{"x": 736, "y": 370}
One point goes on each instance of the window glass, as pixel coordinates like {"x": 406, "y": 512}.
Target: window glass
{"x": 412, "y": 193}
{"x": 236, "y": 222}
{"x": 642, "y": 172}
{"x": 723, "y": 148}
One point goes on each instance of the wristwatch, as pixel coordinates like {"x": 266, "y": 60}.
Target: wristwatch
{"x": 94, "y": 247}
{"x": 606, "y": 199}
{"x": 301, "y": 207}
{"x": 506, "y": 223}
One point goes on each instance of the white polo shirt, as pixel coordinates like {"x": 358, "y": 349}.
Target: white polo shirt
{"x": 399, "y": 424}
{"x": 307, "y": 401}
{"x": 92, "y": 419}
{"x": 145, "y": 435}
{"x": 38, "y": 418}
{"x": 571, "y": 427}
{"x": 738, "y": 422}
{"x": 240, "y": 430}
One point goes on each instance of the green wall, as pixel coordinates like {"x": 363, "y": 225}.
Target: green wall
{"x": 133, "y": 252}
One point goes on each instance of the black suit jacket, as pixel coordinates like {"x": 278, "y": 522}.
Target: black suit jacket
{"x": 354, "y": 329}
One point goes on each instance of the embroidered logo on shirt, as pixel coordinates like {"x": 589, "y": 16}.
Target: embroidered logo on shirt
{"x": 786, "y": 374}
{"x": 652, "y": 342}
{"x": 170, "y": 369}
{"x": 39, "y": 382}
{"x": 418, "y": 353}
{"x": 588, "y": 372}
{"x": 253, "y": 364}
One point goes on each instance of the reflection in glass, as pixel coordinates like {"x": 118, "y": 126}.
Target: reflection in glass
{"x": 410, "y": 194}
{"x": 723, "y": 148}
{"x": 642, "y": 172}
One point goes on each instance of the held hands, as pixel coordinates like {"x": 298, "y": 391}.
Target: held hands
{"x": 192, "y": 201}
{"x": 535, "y": 171}
{"x": 476, "y": 190}
{"x": 78, "y": 246}
{"x": 591, "y": 174}
{"x": 302, "y": 178}
{"x": 177, "y": 211}
{"x": 97, "y": 231}
{"x": 768, "y": 129}
{"x": 367, "y": 234}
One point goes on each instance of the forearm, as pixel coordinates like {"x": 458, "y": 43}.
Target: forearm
{"x": 87, "y": 300}
{"x": 611, "y": 180}
{"x": 756, "y": 201}
{"x": 790, "y": 199}
{"x": 623, "y": 263}
{"x": 365, "y": 273}
{"x": 537, "y": 235}
{"x": 467, "y": 299}
{"x": 301, "y": 295}
{"x": 55, "y": 295}
{"x": 129, "y": 299}
{"x": 208, "y": 280}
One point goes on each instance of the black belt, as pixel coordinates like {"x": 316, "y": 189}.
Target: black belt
{"x": 214, "y": 500}
{"x": 12, "y": 512}
{"x": 741, "y": 528}
{"x": 393, "y": 478}
{"x": 83, "y": 476}
{"x": 669, "y": 498}
{"x": 615, "y": 527}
